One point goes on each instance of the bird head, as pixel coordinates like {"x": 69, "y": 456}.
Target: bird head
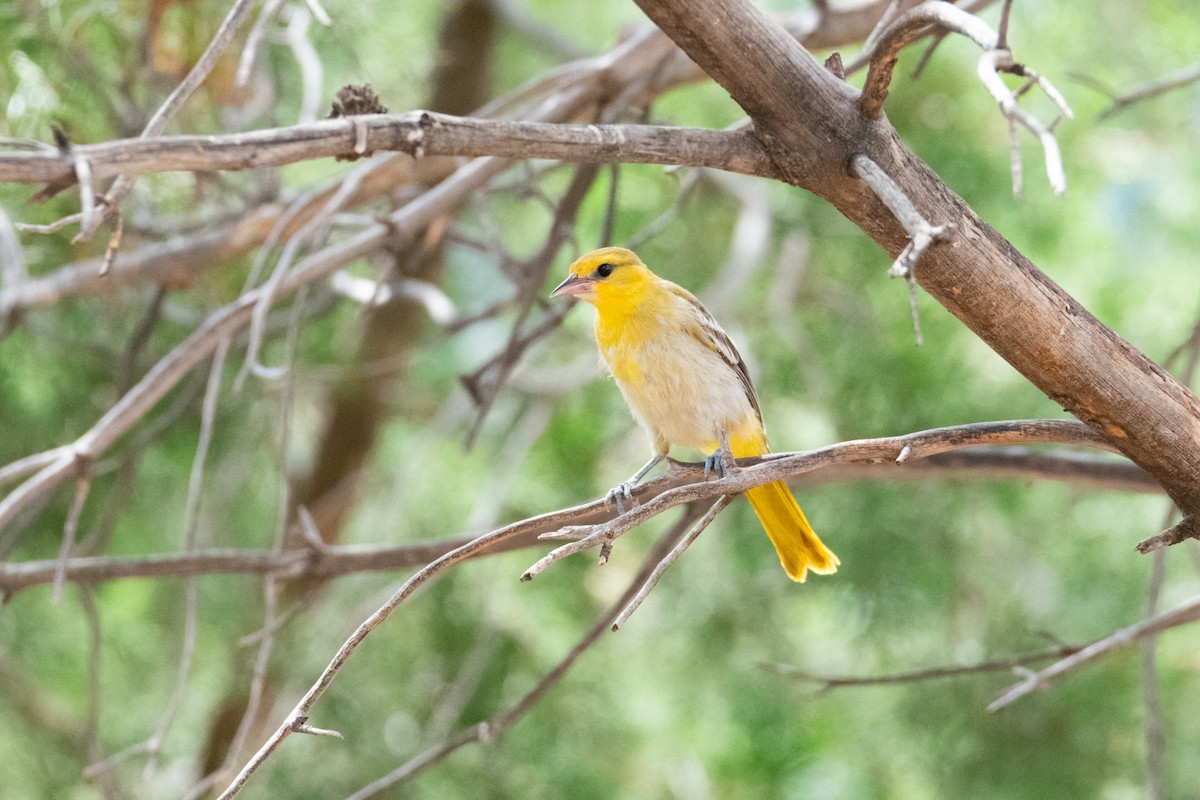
{"x": 607, "y": 275}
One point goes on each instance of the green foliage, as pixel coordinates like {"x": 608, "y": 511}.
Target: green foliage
{"x": 679, "y": 703}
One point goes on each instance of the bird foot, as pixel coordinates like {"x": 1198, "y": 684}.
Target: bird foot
{"x": 714, "y": 464}
{"x": 619, "y": 494}
{"x": 720, "y": 462}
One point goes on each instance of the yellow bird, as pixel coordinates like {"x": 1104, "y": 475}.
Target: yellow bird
{"x": 686, "y": 384}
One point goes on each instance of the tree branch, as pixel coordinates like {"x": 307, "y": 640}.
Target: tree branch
{"x": 909, "y": 28}
{"x": 1182, "y": 615}
{"x": 182, "y": 259}
{"x": 506, "y": 718}
{"x": 401, "y": 226}
{"x": 896, "y": 450}
{"x": 830, "y": 682}
{"x": 984, "y": 463}
{"x": 1175, "y": 80}
{"x": 809, "y": 122}
{"x": 417, "y": 133}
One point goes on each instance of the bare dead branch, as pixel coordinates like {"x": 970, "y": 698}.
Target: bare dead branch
{"x": 828, "y": 683}
{"x": 418, "y": 133}
{"x": 83, "y": 487}
{"x": 182, "y": 259}
{"x": 910, "y": 27}
{"x": 683, "y": 544}
{"x": 770, "y": 469}
{"x": 995, "y": 61}
{"x": 1176, "y": 80}
{"x": 505, "y": 719}
{"x": 219, "y": 326}
{"x": 1186, "y": 528}
{"x": 254, "y": 41}
{"x": 430, "y": 572}
{"x": 922, "y": 233}
{"x": 555, "y": 98}
{"x": 1188, "y": 612}
{"x": 996, "y": 58}
{"x": 158, "y": 121}
{"x": 328, "y": 562}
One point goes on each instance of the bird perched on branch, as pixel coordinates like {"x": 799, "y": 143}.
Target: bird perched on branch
{"x": 686, "y": 384}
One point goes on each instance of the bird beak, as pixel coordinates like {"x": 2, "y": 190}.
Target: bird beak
{"x": 574, "y": 286}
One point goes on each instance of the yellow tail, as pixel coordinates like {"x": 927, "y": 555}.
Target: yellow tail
{"x": 798, "y": 546}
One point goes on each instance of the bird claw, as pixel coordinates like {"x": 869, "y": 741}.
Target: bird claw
{"x": 720, "y": 463}
{"x": 619, "y": 494}
{"x": 714, "y": 464}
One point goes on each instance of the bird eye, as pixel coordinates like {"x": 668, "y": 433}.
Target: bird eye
{"x": 605, "y": 269}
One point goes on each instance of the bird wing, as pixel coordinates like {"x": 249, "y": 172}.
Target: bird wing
{"x": 708, "y": 332}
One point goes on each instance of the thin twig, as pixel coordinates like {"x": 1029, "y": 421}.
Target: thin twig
{"x": 506, "y": 718}
{"x": 683, "y": 544}
{"x": 335, "y": 561}
{"x": 1183, "y": 77}
{"x": 82, "y": 489}
{"x": 1153, "y": 726}
{"x": 911, "y": 26}
{"x": 996, "y": 58}
{"x": 1002, "y": 28}
{"x": 1181, "y": 615}
{"x": 581, "y": 538}
{"x": 225, "y": 321}
{"x": 192, "y": 81}
{"x": 191, "y": 523}
{"x": 831, "y": 682}
{"x": 254, "y": 40}
{"x": 299, "y": 714}
{"x": 114, "y": 243}
{"x": 922, "y": 234}
{"x": 990, "y": 64}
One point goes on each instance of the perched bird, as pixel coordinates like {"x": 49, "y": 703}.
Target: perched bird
{"x": 686, "y": 384}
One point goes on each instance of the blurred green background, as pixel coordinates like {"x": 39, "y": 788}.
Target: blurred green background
{"x": 683, "y": 701}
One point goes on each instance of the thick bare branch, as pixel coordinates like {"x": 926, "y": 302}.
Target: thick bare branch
{"x": 184, "y": 258}
{"x": 401, "y": 226}
{"x": 418, "y": 133}
{"x": 809, "y": 122}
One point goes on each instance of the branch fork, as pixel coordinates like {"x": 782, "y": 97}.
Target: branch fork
{"x": 996, "y": 58}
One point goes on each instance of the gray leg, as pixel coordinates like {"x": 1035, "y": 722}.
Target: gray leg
{"x": 721, "y": 461}
{"x": 624, "y": 491}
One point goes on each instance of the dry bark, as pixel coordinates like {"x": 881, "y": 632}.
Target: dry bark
{"x": 808, "y": 120}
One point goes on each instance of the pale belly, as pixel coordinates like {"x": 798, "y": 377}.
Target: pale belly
{"x": 683, "y": 394}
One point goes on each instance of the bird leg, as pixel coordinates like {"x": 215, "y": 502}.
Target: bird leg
{"x": 624, "y": 491}
{"x": 720, "y": 461}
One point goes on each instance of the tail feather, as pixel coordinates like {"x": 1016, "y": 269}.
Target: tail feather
{"x": 798, "y": 546}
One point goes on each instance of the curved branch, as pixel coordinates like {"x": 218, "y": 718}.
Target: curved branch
{"x": 909, "y": 28}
